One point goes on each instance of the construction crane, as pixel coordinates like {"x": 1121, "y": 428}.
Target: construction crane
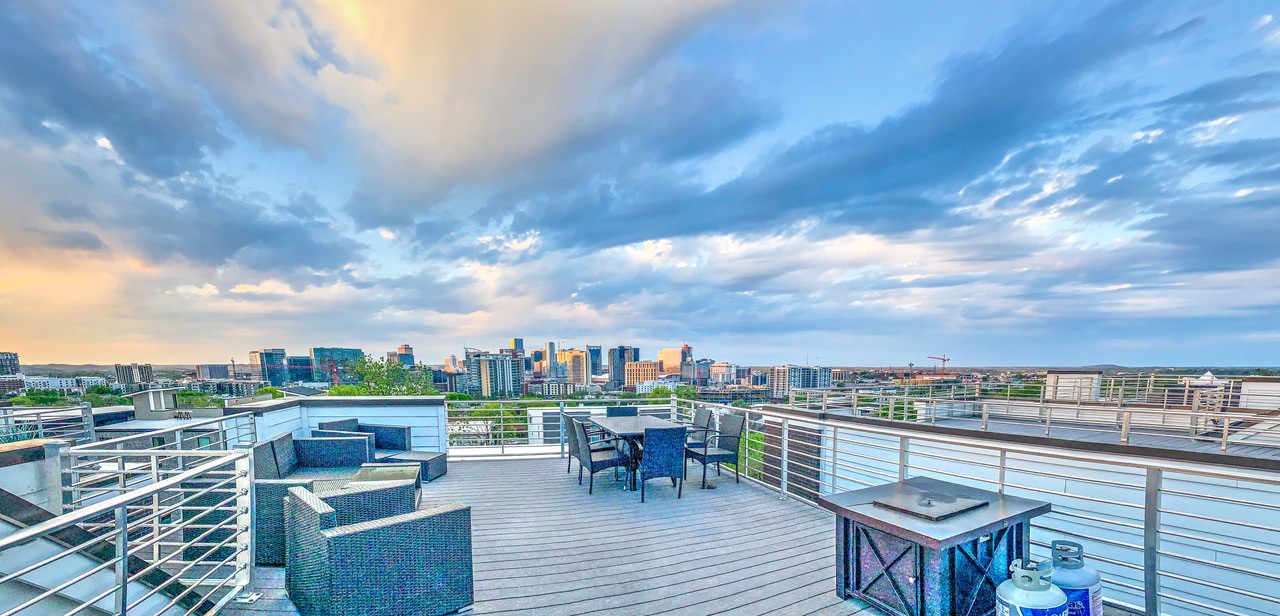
{"x": 944, "y": 359}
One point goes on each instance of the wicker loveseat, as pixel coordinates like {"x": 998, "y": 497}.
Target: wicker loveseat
{"x": 365, "y": 550}
{"x": 285, "y": 462}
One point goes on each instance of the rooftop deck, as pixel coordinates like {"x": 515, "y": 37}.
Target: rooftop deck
{"x": 543, "y": 545}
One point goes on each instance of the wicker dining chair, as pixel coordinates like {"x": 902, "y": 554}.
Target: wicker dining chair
{"x": 662, "y": 456}
{"x": 721, "y": 446}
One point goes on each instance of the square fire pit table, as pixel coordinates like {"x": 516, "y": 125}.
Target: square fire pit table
{"x": 925, "y": 547}
{"x": 434, "y": 463}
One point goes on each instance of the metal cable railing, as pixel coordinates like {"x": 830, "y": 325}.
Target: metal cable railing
{"x": 179, "y": 542}
{"x": 74, "y": 423}
{"x": 1169, "y": 537}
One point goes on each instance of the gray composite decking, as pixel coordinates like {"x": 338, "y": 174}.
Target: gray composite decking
{"x": 1144, "y": 437}
{"x": 542, "y": 545}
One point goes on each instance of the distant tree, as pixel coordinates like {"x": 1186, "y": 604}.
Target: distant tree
{"x": 740, "y": 404}
{"x": 274, "y": 391}
{"x": 686, "y": 392}
{"x": 102, "y": 390}
{"x": 388, "y": 377}
{"x": 97, "y": 400}
{"x": 348, "y": 390}
{"x": 41, "y": 397}
{"x": 199, "y": 400}
{"x": 660, "y": 392}
{"x": 457, "y": 395}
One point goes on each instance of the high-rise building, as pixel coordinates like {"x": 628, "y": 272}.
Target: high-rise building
{"x": 270, "y": 365}
{"x": 782, "y": 379}
{"x": 402, "y": 354}
{"x": 577, "y": 366}
{"x": 299, "y": 368}
{"x": 597, "y": 362}
{"x": 328, "y": 361}
{"x": 517, "y": 344}
{"x": 493, "y": 375}
{"x": 207, "y": 372}
{"x": 697, "y": 373}
{"x": 686, "y": 352}
{"x": 670, "y": 359}
{"x": 723, "y": 373}
{"x": 128, "y": 374}
{"x": 9, "y": 363}
{"x": 640, "y": 372}
{"x": 619, "y": 356}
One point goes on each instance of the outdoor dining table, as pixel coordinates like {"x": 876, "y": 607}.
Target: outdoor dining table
{"x": 631, "y": 430}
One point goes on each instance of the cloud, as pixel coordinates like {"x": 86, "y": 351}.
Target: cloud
{"x": 47, "y": 73}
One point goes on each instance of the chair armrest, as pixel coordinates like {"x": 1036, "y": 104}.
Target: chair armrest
{"x": 331, "y": 452}
{"x": 389, "y": 437}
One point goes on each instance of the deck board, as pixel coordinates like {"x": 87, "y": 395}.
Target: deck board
{"x": 542, "y": 545}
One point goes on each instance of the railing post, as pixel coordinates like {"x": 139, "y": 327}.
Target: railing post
{"x": 986, "y": 415}
{"x": 40, "y": 425}
{"x": 122, "y": 560}
{"x": 86, "y": 412}
{"x": 562, "y": 428}
{"x": 782, "y": 483}
{"x": 244, "y": 520}
{"x": 1226, "y": 430}
{"x": 1004, "y": 461}
{"x": 1195, "y": 414}
{"x": 792, "y": 400}
{"x": 1126, "y": 422}
{"x": 1151, "y": 542}
{"x": 835, "y": 450}
{"x": 904, "y": 453}
{"x": 55, "y": 482}
{"x": 825, "y": 393}
{"x": 1048, "y": 418}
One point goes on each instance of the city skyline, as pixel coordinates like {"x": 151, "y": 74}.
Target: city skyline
{"x": 1006, "y": 183}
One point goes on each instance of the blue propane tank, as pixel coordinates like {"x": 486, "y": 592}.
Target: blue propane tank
{"x": 1029, "y": 591}
{"x": 1080, "y": 582}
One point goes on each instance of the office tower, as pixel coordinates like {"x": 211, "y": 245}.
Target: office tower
{"x": 269, "y": 365}
{"x": 577, "y": 366}
{"x": 331, "y": 364}
{"x": 298, "y": 368}
{"x": 517, "y": 344}
{"x": 640, "y": 372}
{"x": 782, "y": 379}
{"x": 619, "y": 356}
{"x": 597, "y": 363}
{"x": 403, "y": 354}
{"x": 686, "y": 353}
{"x": 670, "y": 359}
{"x": 493, "y": 375}
{"x": 128, "y": 374}
{"x": 9, "y": 363}
{"x": 208, "y": 372}
{"x": 723, "y": 373}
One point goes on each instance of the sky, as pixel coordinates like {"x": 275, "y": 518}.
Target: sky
{"x": 843, "y": 183}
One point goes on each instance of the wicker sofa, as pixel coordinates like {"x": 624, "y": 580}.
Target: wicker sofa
{"x": 285, "y": 462}
{"x": 383, "y": 440}
{"x": 366, "y": 550}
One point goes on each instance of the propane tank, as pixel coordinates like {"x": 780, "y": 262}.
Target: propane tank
{"x": 1080, "y": 582}
{"x": 1029, "y": 591}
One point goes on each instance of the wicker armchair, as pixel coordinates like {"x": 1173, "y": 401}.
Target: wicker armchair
{"x": 572, "y": 441}
{"x": 700, "y": 427}
{"x": 364, "y": 550}
{"x": 721, "y": 446}
{"x": 285, "y": 462}
{"x": 384, "y": 440}
{"x": 662, "y": 455}
{"x": 594, "y": 460}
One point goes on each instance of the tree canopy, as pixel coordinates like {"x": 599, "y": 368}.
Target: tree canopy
{"x": 270, "y": 389}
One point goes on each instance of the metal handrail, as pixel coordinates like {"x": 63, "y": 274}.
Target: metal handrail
{"x": 68, "y": 520}
{"x": 120, "y": 441}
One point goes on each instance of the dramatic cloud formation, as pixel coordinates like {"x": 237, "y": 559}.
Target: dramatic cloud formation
{"x": 1008, "y": 184}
